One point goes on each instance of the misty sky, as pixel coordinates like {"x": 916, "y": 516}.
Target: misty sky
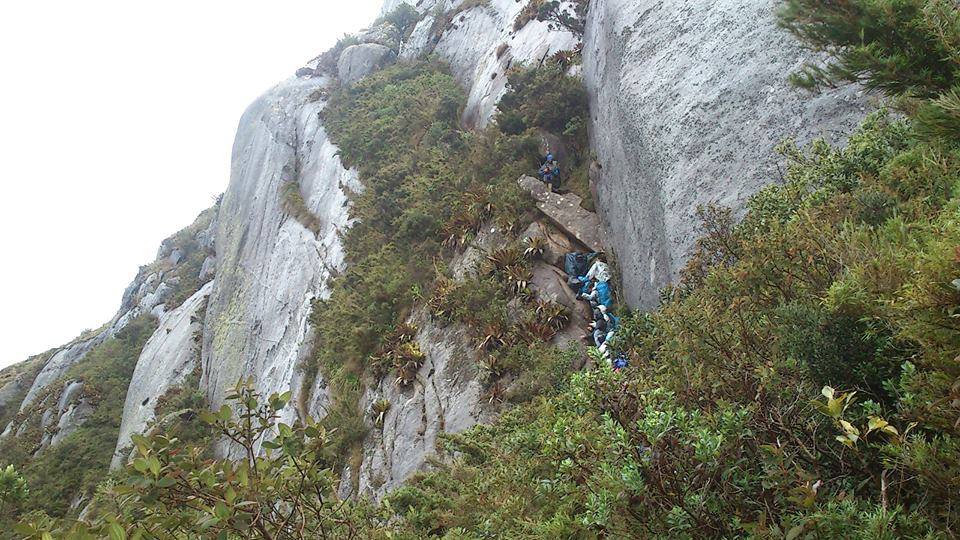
{"x": 118, "y": 119}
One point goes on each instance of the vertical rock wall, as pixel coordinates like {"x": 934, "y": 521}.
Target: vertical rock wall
{"x": 168, "y": 357}
{"x": 269, "y": 266}
{"x": 688, "y": 100}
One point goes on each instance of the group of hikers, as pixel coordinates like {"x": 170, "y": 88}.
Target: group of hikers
{"x": 589, "y": 275}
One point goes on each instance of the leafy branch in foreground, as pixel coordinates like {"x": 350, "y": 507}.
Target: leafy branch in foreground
{"x": 276, "y": 485}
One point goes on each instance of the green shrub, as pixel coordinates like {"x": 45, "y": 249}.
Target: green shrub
{"x": 75, "y": 466}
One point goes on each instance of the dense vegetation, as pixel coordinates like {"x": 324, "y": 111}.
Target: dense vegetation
{"x": 728, "y": 423}
{"x": 73, "y": 467}
{"x": 800, "y": 380}
{"x": 428, "y": 188}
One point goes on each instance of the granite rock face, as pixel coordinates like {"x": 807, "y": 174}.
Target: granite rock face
{"x": 480, "y": 44}
{"x": 269, "y": 266}
{"x": 688, "y": 100}
{"x": 171, "y": 353}
{"x": 358, "y": 61}
{"x": 445, "y": 397}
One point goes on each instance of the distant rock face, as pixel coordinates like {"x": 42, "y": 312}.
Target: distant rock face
{"x": 170, "y": 354}
{"x": 269, "y": 267}
{"x": 358, "y": 61}
{"x": 480, "y": 45}
{"x": 688, "y": 100}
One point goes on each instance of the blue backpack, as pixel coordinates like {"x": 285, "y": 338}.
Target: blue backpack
{"x": 603, "y": 294}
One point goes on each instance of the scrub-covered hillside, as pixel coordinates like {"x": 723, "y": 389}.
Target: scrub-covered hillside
{"x": 799, "y": 379}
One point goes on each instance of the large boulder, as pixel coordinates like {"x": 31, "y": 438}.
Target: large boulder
{"x": 565, "y": 212}
{"x": 358, "y": 61}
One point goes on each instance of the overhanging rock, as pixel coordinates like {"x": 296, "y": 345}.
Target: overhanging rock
{"x": 565, "y": 212}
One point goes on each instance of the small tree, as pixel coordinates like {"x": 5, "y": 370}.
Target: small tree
{"x": 13, "y": 491}
{"x": 403, "y": 17}
{"x": 560, "y": 16}
{"x": 280, "y": 487}
{"x": 902, "y": 47}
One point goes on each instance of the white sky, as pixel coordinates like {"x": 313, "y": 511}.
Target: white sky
{"x": 117, "y": 121}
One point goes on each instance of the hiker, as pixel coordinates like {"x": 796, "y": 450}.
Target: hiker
{"x": 550, "y": 172}
{"x": 555, "y": 177}
{"x": 603, "y": 326}
{"x": 545, "y": 172}
{"x": 620, "y": 362}
{"x": 598, "y": 331}
{"x": 599, "y": 295}
{"x": 599, "y": 270}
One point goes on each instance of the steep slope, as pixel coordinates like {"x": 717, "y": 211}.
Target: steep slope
{"x": 60, "y": 409}
{"x": 688, "y": 102}
{"x": 269, "y": 265}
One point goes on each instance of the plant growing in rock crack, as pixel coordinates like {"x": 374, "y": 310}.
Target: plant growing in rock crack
{"x": 379, "y": 411}
{"x": 502, "y": 259}
{"x": 441, "y": 299}
{"x": 536, "y": 246}
{"x": 554, "y": 314}
{"x": 518, "y": 280}
{"x": 492, "y": 336}
{"x": 388, "y": 354}
{"x": 496, "y": 392}
{"x": 533, "y": 330}
{"x": 407, "y": 359}
{"x": 492, "y": 367}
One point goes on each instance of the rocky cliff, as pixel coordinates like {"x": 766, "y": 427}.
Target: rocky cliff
{"x": 687, "y": 99}
{"x": 688, "y": 102}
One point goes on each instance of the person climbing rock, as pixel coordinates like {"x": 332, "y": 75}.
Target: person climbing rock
{"x": 598, "y": 295}
{"x": 599, "y": 270}
{"x": 550, "y": 172}
{"x": 620, "y": 362}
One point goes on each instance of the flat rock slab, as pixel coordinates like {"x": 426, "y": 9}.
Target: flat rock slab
{"x": 566, "y": 213}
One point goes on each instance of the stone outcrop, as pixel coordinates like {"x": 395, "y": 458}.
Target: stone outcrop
{"x": 480, "y": 44}
{"x": 171, "y": 353}
{"x": 445, "y": 397}
{"x": 269, "y": 266}
{"x": 566, "y": 213}
{"x": 688, "y": 100}
{"x": 358, "y": 61}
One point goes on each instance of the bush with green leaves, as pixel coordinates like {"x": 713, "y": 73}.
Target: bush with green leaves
{"x": 428, "y": 188}
{"x": 13, "y": 492}
{"x": 279, "y": 485}
{"x": 722, "y": 426}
